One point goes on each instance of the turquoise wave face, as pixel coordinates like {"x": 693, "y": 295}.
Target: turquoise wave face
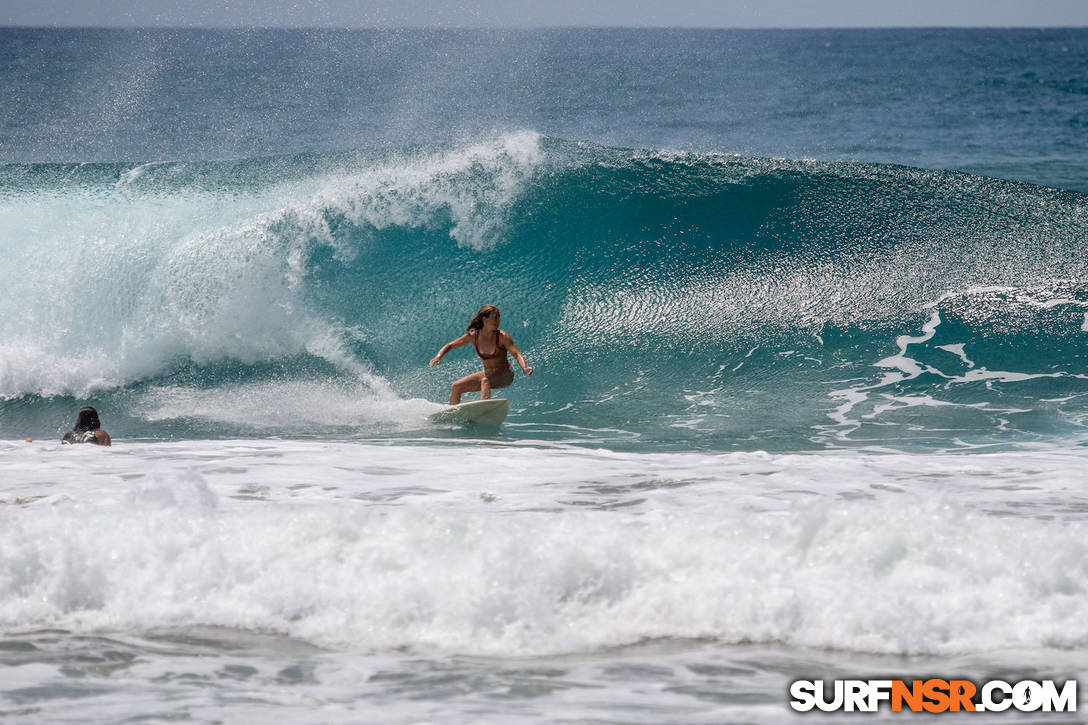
{"x": 673, "y": 300}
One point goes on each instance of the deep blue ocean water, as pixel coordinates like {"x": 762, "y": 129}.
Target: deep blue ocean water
{"x": 1007, "y": 103}
{"x": 807, "y": 312}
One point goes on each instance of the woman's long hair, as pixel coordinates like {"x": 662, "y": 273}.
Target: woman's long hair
{"x": 478, "y": 321}
{"x": 86, "y": 419}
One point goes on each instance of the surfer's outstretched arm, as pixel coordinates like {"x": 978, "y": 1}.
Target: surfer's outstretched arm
{"x": 451, "y": 345}
{"x": 508, "y": 343}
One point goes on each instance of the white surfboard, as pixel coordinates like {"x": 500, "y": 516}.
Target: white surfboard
{"x": 482, "y": 412}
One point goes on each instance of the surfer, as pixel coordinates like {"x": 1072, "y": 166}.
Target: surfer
{"x": 87, "y": 429}
{"x": 492, "y": 345}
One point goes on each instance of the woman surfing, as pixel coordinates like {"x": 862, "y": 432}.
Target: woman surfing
{"x": 492, "y": 345}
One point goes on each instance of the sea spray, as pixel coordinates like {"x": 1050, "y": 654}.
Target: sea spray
{"x": 709, "y": 287}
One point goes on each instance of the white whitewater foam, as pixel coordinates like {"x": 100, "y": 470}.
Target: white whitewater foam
{"x": 111, "y": 285}
{"x": 515, "y": 550}
{"x": 299, "y": 406}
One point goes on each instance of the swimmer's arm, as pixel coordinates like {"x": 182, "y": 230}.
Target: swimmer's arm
{"x": 508, "y": 343}
{"x": 451, "y": 345}
{"x": 102, "y": 438}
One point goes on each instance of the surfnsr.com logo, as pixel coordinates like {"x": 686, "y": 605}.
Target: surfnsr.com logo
{"x": 933, "y": 696}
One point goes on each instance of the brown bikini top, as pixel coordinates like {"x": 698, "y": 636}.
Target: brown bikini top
{"x": 499, "y": 351}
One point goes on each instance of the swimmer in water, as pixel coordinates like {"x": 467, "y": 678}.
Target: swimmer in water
{"x": 87, "y": 429}
{"x": 492, "y": 345}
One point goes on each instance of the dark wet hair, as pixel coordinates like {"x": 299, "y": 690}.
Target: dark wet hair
{"x": 87, "y": 419}
{"x": 478, "y": 321}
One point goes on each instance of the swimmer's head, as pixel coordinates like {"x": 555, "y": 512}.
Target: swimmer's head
{"x": 484, "y": 312}
{"x": 87, "y": 419}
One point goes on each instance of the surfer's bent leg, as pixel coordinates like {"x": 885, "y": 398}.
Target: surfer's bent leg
{"x": 485, "y": 387}
{"x": 467, "y": 384}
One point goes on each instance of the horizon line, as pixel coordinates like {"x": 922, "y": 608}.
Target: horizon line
{"x": 543, "y": 27}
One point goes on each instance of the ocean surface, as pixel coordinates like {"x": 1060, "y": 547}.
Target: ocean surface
{"x": 808, "y": 312}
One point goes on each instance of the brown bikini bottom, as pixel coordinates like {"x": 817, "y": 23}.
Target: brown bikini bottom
{"x": 500, "y": 378}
